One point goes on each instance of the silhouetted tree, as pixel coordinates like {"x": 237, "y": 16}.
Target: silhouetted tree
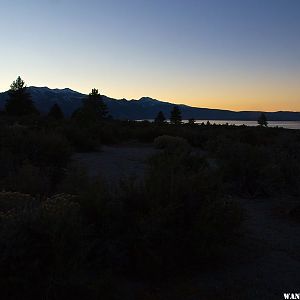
{"x": 191, "y": 121}
{"x": 56, "y": 112}
{"x": 175, "y": 117}
{"x": 19, "y": 102}
{"x": 262, "y": 120}
{"x": 92, "y": 110}
{"x": 94, "y": 102}
{"x": 160, "y": 118}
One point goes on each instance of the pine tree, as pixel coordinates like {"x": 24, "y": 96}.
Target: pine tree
{"x": 262, "y": 120}
{"x": 92, "y": 110}
{"x": 175, "y": 117}
{"x": 56, "y": 112}
{"x": 19, "y": 102}
{"x": 94, "y": 104}
{"x": 191, "y": 121}
{"x": 160, "y": 118}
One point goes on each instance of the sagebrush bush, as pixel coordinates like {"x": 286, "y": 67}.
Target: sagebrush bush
{"x": 83, "y": 139}
{"x": 178, "y": 216}
{"x": 244, "y": 167}
{"x": 33, "y": 159}
{"x": 183, "y": 218}
{"x": 28, "y": 179}
{"x": 14, "y": 201}
{"x": 38, "y": 146}
{"x": 256, "y": 170}
{"x": 43, "y": 247}
{"x": 172, "y": 144}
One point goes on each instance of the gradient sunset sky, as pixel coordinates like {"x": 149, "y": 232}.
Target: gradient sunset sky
{"x": 231, "y": 54}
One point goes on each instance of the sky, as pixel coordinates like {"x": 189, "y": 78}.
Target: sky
{"x": 229, "y": 54}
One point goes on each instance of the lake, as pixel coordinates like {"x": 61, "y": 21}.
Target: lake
{"x": 284, "y": 124}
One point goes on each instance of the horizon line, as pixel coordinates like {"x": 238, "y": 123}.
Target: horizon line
{"x": 165, "y": 101}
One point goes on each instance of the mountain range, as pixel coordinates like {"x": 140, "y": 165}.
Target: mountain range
{"x": 144, "y": 108}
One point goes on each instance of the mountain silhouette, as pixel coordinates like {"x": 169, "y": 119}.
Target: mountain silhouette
{"x": 144, "y": 108}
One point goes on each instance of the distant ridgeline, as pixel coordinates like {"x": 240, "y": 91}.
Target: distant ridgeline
{"x": 145, "y": 108}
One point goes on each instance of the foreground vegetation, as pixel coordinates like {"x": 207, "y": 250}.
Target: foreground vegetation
{"x": 64, "y": 235}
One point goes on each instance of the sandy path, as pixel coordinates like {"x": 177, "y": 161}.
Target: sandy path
{"x": 276, "y": 245}
{"x": 116, "y": 162}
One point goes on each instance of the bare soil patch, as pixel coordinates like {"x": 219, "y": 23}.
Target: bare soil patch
{"x": 116, "y": 162}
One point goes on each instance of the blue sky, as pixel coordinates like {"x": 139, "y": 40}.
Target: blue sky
{"x": 211, "y": 53}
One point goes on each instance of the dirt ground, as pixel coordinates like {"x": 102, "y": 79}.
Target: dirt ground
{"x": 264, "y": 265}
{"x": 116, "y": 162}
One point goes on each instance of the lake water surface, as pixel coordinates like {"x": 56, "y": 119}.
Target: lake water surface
{"x": 284, "y": 124}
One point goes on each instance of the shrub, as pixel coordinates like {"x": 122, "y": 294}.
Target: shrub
{"x": 172, "y": 144}
{"x": 42, "y": 248}
{"x": 83, "y": 139}
{"x": 33, "y": 160}
{"x": 28, "y": 179}
{"x": 177, "y": 218}
{"x": 39, "y": 147}
{"x": 14, "y": 200}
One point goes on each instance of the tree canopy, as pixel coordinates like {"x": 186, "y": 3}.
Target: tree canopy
{"x": 19, "y": 102}
{"x": 56, "y": 112}
{"x": 192, "y": 121}
{"x": 262, "y": 120}
{"x": 93, "y": 109}
{"x": 175, "y": 117}
{"x": 160, "y": 118}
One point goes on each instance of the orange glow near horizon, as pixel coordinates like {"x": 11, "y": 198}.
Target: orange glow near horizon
{"x": 245, "y": 91}
{"x": 235, "y": 55}
{"x": 256, "y": 99}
